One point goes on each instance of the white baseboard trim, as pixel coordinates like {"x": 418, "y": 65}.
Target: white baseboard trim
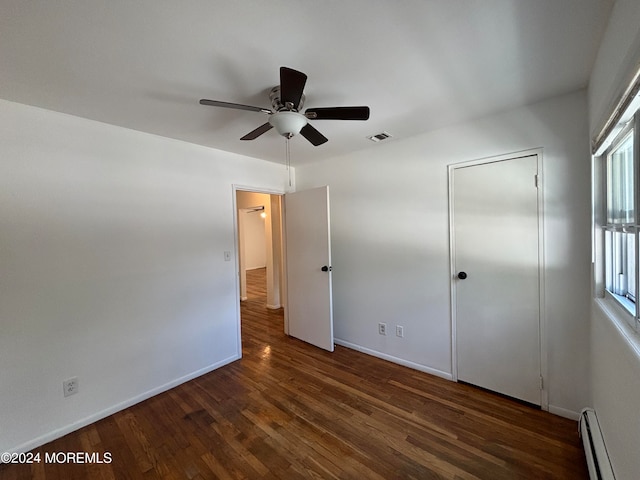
{"x": 391, "y": 358}
{"x": 563, "y": 412}
{"x": 242, "y": 299}
{"x": 61, "y": 432}
{"x": 274, "y": 307}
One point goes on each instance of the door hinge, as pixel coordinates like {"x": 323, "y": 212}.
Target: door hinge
{"x": 536, "y": 180}
{"x": 541, "y": 383}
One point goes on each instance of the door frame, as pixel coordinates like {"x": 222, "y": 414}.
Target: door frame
{"x": 544, "y": 368}
{"x": 283, "y": 281}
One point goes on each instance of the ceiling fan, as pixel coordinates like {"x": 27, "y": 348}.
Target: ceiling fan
{"x": 287, "y": 100}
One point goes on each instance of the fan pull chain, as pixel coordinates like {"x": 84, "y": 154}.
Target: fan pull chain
{"x": 288, "y": 160}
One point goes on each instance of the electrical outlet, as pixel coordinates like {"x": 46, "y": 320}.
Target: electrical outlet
{"x": 70, "y": 386}
{"x": 399, "y": 331}
{"x": 382, "y": 328}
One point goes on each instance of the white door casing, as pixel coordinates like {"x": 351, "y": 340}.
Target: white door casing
{"x": 496, "y": 241}
{"x": 308, "y": 250}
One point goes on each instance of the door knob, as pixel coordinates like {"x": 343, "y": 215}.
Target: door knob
{"x": 462, "y": 275}
{"x": 326, "y": 269}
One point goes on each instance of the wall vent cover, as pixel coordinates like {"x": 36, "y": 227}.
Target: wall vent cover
{"x": 378, "y": 137}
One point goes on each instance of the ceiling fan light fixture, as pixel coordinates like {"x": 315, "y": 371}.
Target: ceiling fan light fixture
{"x": 288, "y": 123}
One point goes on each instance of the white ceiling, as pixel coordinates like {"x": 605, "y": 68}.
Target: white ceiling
{"x": 419, "y": 64}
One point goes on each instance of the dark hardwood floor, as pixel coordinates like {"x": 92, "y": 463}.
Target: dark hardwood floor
{"x": 288, "y": 410}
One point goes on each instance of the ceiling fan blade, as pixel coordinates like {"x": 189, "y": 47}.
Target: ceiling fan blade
{"x": 338, "y": 113}
{"x": 237, "y": 106}
{"x": 291, "y": 86}
{"x": 252, "y": 135}
{"x": 313, "y": 135}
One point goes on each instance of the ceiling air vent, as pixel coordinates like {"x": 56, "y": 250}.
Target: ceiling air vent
{"x": 378, "y": 137}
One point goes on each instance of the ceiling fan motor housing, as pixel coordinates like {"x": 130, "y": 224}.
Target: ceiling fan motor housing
{"x": 276, "y": 102}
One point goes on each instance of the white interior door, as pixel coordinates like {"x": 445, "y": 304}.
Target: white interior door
{"x": 308, "y": 264}
{"x": 497, "y": 305}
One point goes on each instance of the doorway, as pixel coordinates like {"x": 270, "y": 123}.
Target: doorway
{"x": 497, "y": 275}
{"x": 308, "y": 314}
{"x": 260, "y": 243}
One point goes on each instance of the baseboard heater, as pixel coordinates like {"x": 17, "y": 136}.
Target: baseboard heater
{"x": 594, "y": 448}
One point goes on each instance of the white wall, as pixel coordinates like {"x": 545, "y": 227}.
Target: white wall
{"x": 255, "y": 241}
{"x": 112, "y": 267}
{"x": 254, "y": 235}
{"x": 615, "y": 363}
{"x": 390, "y": 241}
{"x": 615, "y": 371}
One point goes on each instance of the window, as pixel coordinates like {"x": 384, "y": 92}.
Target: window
{"x": 620, "y": 207}
{"x": 621, "y": 226}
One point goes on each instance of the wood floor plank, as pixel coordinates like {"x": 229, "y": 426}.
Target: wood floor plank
{"x": 288, "y": 410}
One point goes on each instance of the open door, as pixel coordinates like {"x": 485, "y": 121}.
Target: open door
{"x": 308, "y": 254}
